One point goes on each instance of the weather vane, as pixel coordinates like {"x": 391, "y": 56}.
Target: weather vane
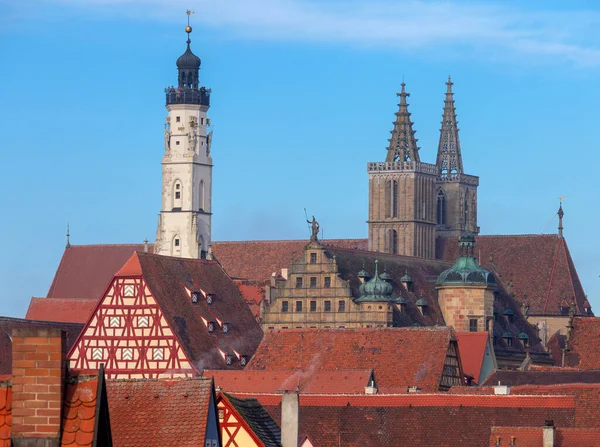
{"x": 188, "y": 28}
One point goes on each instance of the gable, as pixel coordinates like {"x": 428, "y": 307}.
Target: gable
{"x": 129, "y": 334}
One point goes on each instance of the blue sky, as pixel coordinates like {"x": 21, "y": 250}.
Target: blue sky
{"x": 304, "y": 93}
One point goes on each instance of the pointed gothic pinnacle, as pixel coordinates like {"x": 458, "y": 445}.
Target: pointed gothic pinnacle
{"x": 449, "y": 84}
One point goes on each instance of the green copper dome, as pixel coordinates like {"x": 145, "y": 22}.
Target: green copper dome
{"x": 466, "y": 270}
{"x": 406, "y": 277}
{"x": 375, "y": 289}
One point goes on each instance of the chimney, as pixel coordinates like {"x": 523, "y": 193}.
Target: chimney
{"x": 290, "y": 415}
{"x": 284, "y": 273}
{"x": 38, "y": 373}
{"x": 502, "y": 389}
{"x": 549, "y": 434}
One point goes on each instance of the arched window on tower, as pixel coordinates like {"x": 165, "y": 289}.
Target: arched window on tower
{"x": 176, "y": 246}
{"x": 392, "y": 241}
{"x": 201, "y": 197}
{"x": 391, "y": 198}
{"x": 177, "y": 195}
{"x": 441, "y": 207}
{"x": 394, "y": 198}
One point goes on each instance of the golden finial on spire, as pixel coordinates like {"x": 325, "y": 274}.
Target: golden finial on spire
{"x": 188, "y": 28}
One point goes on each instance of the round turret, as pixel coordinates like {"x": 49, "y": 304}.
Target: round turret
{"x": 466, "y": 270}
{"x": 376, "y": 289}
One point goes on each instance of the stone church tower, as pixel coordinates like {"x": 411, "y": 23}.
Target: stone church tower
{"x": 185, "y": 217}
{"x": 456, "y": 194}
{"x": 402, "y": 216}
{"x": 412, "y": 202}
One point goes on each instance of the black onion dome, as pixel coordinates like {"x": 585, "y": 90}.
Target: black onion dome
{"x": 188, "y": 60}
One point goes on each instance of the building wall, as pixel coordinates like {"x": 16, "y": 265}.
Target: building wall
{"x": 343, "y": 311}
{"x": 460, "y": 304}
{"x": 402, "y": 199}
{"x": 548, "y": 325}
{"x": 186, "y": 184}
{"x": 457, "y": 217}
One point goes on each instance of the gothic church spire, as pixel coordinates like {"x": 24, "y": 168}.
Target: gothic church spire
{"x": 449, "y": 158}
{"x": 403, "y": 144}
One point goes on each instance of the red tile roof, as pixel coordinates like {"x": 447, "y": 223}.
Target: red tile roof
{"x": 258, "y": 260}
{"x": 427, "y": 420}
{"x": 85, "y": 270}
{"x": 553, "y": 376}
{"x": 7, "y": 325}
{"x": 82, "y": 413}
{"x": 312, "y": 381}
{"x": 539, "y": 267}
{"x": 533, "y": 437}
{"x": 584, "y": 346}
{"x": 472, "y": 352}
{"x": 167, "y": 278}
{"x": 253, "y": 293}
{"x": 149, "y": 413}
{"x": 400, "y": 357}
{"x": 5, "y": 413}
{"x": 79, "y": 412}
{"x": 66, "y": 310}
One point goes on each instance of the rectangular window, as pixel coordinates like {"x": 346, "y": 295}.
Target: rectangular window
{"x": 299, "y": 282}
{"x": 313, "y": 306}
{"x": 327, "y": 306}
{"x": 313, "y": 258}
{"x": 313, "y": 282}
{"x": 487, "y": 323}
{"x": 177, "y": 186}
{"x": 298, "y": 306}
{"x": 177, "y": 142}
{"x": 342, "y": 306}
{"x": 473, "y": 325}
{"x": 177, "y": 195}
{"x": 176, "y": 242}
{"x": 201, "y": 120}
{"x": 178, "y": 119}
{"x": 284, "y": 306}
{"x": 327, "y": 283}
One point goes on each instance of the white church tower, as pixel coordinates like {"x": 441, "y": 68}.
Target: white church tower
{"x": 185, "y": 217}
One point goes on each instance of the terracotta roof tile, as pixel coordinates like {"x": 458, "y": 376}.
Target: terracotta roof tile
{"x": 7, "y": 325}
{"x": 584, "y": 346}
{"x": 85, "y": 270}
{"x": 427, "y": 420}
{"x": 253, "y": 293}
{"x": 544, "y": 376}
{"x": 258, "y": 260}
{"x": 311, "y": 381}
{"x": 67, "y": 310}
{"x": 472, "y": 346}
{"x": 165, "y": 276}
{"x": 539, "y": 267}
{"x": 79, "y": 412}
{"x": 533, "y": 437}
{"x": 147, "y": 413}
{"x": 5, "y": 413}
{"x": 400, "y": 357}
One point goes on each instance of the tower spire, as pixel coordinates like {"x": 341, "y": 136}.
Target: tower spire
{"x": 68, "y": 237}
{"x": 449, "y": 158}
{"x": 560, "y": 213}
{"x": 403, "y": 144}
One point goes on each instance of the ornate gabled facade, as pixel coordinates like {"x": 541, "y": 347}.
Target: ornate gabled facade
{"x": 401, "y": 212}
{"x": 184, "y": 225}
{"x": 164, "y": 317}
{"x": 456, "y": 193}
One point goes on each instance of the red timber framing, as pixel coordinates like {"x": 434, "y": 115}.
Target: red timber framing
{"x": 130, "y": 335}
{"x": 235, "y": 432}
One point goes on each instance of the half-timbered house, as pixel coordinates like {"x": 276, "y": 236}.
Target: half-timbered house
{"x": 167, "y": 317}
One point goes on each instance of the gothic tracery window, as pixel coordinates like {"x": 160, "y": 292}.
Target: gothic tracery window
{"x": 392, "y": 241}
{"x": 441, "y": 208}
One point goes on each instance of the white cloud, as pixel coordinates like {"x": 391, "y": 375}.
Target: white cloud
{"x": 475, "y": 28}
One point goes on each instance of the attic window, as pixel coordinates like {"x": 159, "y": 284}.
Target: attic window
{"x": 195, "y": 297}
{"x": 313, "y": 258}
{"x": 243, "y": 360}
{"x": 228, "y": 360}
{"x": 226, "y": 328}
{"x": 211, "y": 327}
{"x": 209, "y": 298}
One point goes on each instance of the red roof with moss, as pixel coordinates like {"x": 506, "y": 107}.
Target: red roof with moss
{"x": 399, "y": 357}
{"x": 149, "y": 413}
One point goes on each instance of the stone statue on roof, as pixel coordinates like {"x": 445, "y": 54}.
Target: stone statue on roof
{"x": 315, "y": 228}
